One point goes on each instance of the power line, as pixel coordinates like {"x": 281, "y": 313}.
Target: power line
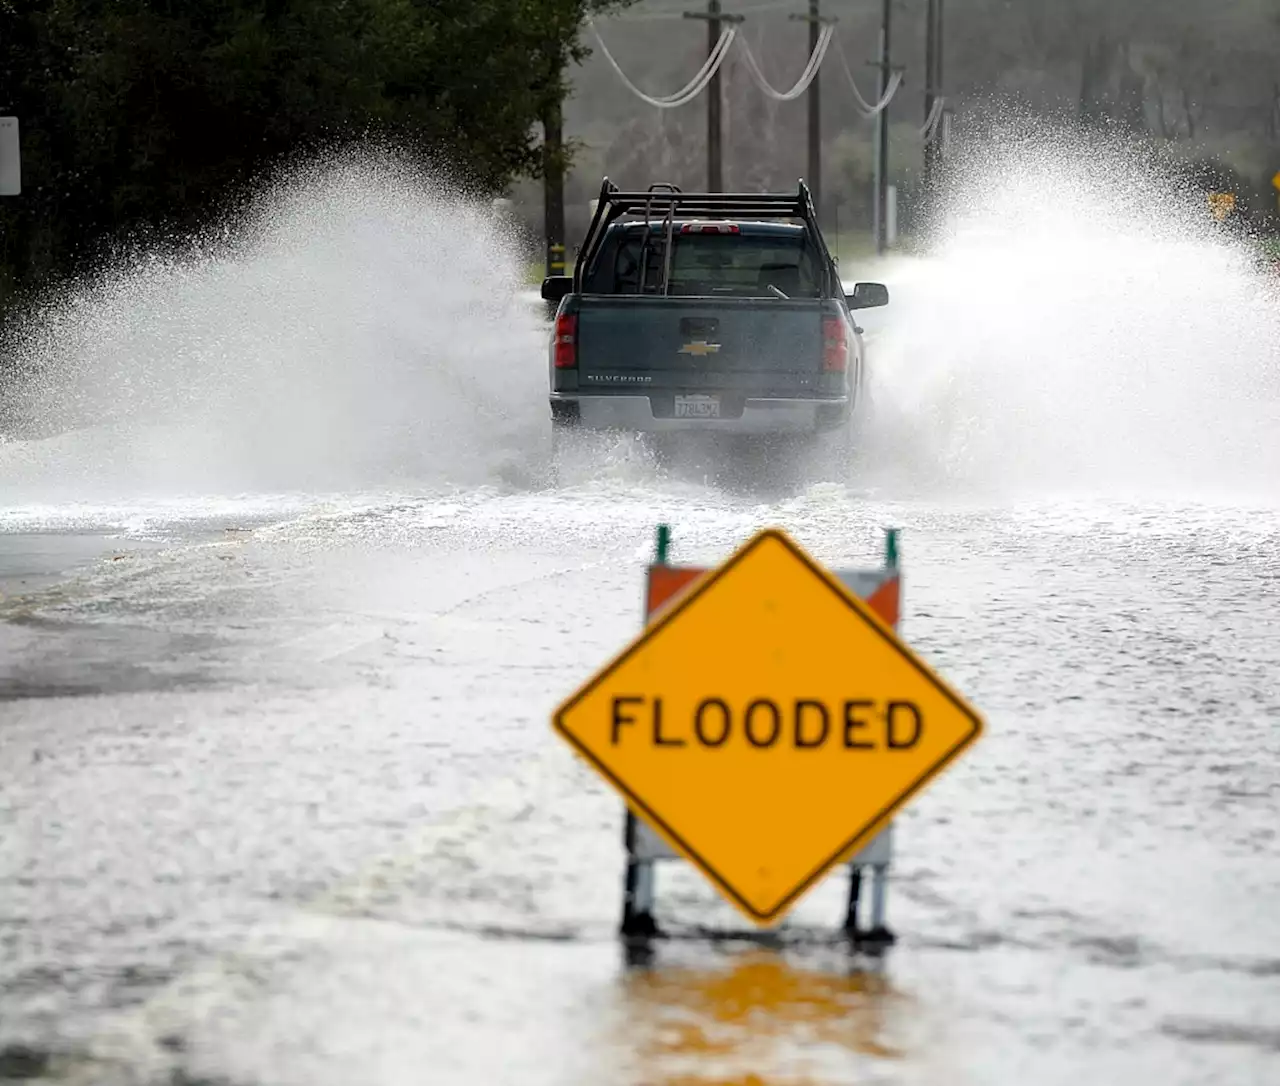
{"x": 692, "y": 89}
{"x": 806, "y": 77}
{"x": 865, "y": 107}
{"x": 935, "y": 115}
{"x": 721, "y": 38}
{"x": 718, "y": 53}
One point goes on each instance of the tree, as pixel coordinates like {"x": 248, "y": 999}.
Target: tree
{"x": 152, "y": 115}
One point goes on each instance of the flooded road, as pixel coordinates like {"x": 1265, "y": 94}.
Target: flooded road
{"x": 289, "y": 808}
{"x": 284, "y": 616}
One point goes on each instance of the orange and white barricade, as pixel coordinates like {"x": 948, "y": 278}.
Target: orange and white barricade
{"x": 881, "y": 590}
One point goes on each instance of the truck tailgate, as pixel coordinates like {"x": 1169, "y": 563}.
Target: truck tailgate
{"x": 755, "y": 346}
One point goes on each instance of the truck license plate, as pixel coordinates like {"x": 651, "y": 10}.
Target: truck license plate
{"x": 697, "y": 407}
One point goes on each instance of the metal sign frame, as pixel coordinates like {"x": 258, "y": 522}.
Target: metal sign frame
{"x": 644, "y": 847}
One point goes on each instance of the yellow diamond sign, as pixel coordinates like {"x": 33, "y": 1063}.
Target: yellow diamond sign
{"x": 767, "y": 724}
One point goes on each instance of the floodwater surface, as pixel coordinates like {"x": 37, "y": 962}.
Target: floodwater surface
{"x": 292, "y": 810}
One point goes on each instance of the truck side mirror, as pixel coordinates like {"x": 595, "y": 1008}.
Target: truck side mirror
{"x": 555, "y": 287}
{"x": 868, "y": 296}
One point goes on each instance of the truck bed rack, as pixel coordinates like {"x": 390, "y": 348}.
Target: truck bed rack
{"x": 669, "y": 201}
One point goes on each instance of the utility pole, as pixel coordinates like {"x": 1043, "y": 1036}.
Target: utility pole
{"x": 815, "y": 115}
{"x": 715, "y": 162}
{"x": 814, "y": 97}
{"x": 10, "y": 158}
{"x": 553, "y": 187}
{"x": 553, "y": 164}
{"x": 882, "y": 134}
{"x": 932, "y": 91}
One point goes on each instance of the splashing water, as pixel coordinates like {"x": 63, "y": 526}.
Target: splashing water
{"x": 363, "y": 327}
{"x": 1083, "y": 326}
{"x": 1080, "y": 328}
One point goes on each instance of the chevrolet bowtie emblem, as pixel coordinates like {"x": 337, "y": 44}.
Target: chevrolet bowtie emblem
{"x": 700, "y": 347}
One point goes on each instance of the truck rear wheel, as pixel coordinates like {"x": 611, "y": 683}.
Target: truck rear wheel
{"x": 564, "y": 424}
{"x": 561, "y": 440}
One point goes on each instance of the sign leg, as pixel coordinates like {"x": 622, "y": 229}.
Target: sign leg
{"x": 879, "y": 937}
{"x": 851, "y": 910}
{"x": 637, "y": 911}
{"x": 638, "y": 889}
{"x": 644, "y": 891}
{"x": 633, "y": 871}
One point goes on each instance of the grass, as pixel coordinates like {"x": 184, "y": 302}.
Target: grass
{"x": 852, "y": 247}
{"x": 535, "y": 271}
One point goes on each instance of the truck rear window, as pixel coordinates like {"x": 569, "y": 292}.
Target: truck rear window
{"x": 740, "y": 265}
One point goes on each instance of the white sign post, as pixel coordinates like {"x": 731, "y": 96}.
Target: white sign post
{"x": 10, "y": 158}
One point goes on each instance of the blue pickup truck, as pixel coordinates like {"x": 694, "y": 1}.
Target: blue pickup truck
{"x": 706, "y": 312}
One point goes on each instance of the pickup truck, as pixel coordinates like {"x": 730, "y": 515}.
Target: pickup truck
{"x": 706, "y": 312}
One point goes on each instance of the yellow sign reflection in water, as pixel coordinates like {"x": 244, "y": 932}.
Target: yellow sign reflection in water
{"x": 1221, "y": 204}
{"x": 758, "y": 1020}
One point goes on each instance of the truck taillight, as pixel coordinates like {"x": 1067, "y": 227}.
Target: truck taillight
{"x": 566, "y": 353}
{"x": 835, "y": 345}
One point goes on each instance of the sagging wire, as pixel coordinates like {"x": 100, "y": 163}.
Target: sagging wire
{"x": 692, "y": 89}
{"x": 806, "y": 77}
{"x": 717, "y": 56}
{"x": 865, "y": 107}
{"x": 931, "y": 122}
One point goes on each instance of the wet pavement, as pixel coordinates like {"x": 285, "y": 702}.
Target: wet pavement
{"x": 36, "y": 560}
